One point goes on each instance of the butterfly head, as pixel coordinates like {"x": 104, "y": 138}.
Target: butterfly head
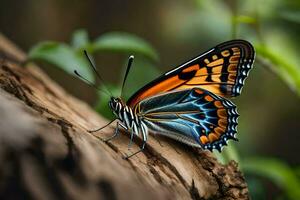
{"x": 115, "y": 105}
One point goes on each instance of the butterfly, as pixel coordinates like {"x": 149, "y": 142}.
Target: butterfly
{"x": 189, "y": 103}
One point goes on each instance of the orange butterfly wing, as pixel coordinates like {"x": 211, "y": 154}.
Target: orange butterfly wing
{"x": 221, "y": 70}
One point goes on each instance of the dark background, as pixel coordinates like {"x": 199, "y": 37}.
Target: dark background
{"x": 179, "y": 30}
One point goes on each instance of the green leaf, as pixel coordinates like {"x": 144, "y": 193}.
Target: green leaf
{"x": 62, "y": 56}
{"x": 288, "y": 72}
{"x": 277, "y": 171}
{"x": 124, "y": 43}
{"x": 80, "y": 39}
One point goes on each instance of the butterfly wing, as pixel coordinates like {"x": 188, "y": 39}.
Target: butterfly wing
{"x": 221, "y": 70}
{"x": 195, "y": 116}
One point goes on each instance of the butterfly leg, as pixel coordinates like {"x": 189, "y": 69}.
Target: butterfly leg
{"x": 116, "y": 132}
{"x": 144, "y": 134}
{"x": 131, "y": 138}
{"x": 141, "y": 149}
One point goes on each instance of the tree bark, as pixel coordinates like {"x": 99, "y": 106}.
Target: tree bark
{"x": 46, "y": 151}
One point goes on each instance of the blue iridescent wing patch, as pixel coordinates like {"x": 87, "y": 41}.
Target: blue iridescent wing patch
{"x": 196, "y": 117}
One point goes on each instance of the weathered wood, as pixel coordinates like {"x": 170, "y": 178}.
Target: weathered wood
{"x": 46, "y": 151}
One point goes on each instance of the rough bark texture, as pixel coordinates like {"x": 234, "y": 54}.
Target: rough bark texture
{"x": 46, "y": 151}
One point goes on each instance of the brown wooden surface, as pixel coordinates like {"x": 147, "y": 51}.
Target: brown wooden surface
{"x": 47, "y": 153}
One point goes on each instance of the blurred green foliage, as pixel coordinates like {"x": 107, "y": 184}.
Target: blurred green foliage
{"x": 62, "y": 56}
{"x": 228, "y": 153}
{"x": 71, "y": 57}
{"x": 126, "y": 43}
{"x": 277, "y": 171}
{"x": 249, "y": 20}
{"x": 289, "y": 72}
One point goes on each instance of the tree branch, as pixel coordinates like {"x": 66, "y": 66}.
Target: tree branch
{"x": 46, "y": 151}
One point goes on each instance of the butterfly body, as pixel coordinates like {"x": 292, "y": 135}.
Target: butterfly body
{"x": 128, "y": 119}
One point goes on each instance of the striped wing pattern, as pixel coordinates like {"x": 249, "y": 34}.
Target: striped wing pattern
{"x": 221, "y": 70}
{"x": 195, "y": 116}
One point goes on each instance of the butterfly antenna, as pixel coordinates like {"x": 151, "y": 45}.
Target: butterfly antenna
{"x": 130, "y": 61}
{"x": 90, "y": 83}
{"x": 96, "y": 72}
